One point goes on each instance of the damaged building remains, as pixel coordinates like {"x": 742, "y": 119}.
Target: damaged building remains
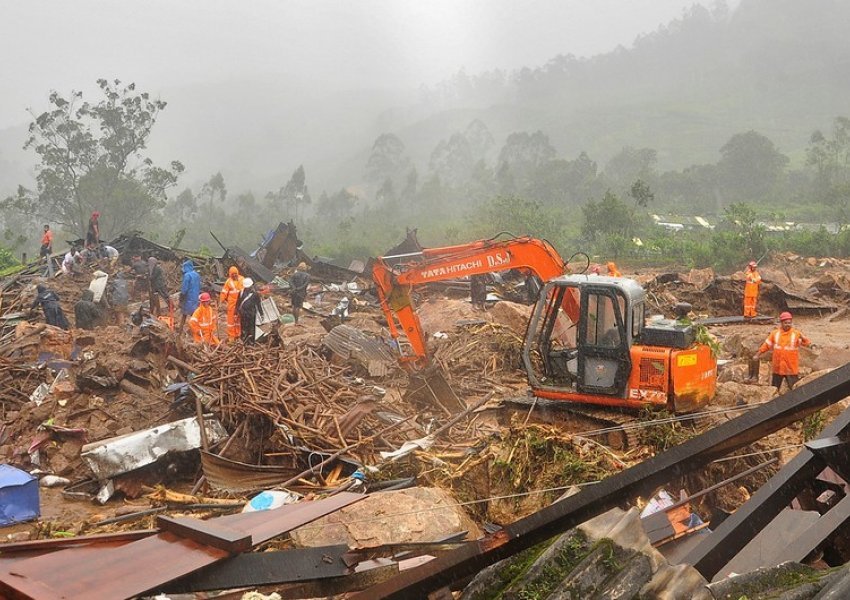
{"x": 399, "y": 441}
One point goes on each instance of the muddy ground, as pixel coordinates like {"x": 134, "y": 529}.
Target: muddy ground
{"x": 503, "y": 450}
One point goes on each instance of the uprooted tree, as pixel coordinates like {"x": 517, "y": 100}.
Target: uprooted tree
{"x": 91, "y": 158}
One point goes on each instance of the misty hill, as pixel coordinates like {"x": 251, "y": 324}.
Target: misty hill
{"x": 780, "y": 67}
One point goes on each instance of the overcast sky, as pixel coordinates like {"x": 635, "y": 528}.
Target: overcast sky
{"x": 68, "y": 44}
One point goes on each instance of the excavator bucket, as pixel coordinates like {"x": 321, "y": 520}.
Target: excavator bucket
{"x": 430, "y": 389}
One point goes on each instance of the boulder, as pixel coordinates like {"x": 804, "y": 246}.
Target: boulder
{"x": 394, "y": 517}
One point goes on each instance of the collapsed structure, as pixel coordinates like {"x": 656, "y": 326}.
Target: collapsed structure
{"x": 387, "y": 489}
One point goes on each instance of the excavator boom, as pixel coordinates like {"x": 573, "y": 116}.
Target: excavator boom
{"x": 394, "y": 282}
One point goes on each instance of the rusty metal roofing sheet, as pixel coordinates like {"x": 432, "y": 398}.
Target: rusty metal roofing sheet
{"x": 147, "y": 564}
{"x": 226, "y": 474}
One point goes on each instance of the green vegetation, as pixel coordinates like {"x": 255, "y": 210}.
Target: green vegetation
{"x": 684, "y": 124}
{"x": 813, "y": 425}
{"x": 662, "y": 436}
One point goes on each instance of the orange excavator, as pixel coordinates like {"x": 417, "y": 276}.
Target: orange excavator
{"x": 587, "y": 341}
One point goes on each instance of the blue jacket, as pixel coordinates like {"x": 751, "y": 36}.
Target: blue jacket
{"x": 191, "y": 288}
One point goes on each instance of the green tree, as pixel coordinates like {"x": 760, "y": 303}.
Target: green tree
{"x": 522, "y": 156}
{"x": 337, "y": 208}
{"x": 514, "y": 215}
{"x": 750, "y": 168}
{"x": 387, "y": 159}
{"x": 631, "y": 164}
{"x": 830, "y": 157}
{"x": 452, "y": 160}
{"x": 610, "y": 224}
{"x": 738, "y": 238}
{"x": 641, "y": 193}
{"x": 91, "y": 157}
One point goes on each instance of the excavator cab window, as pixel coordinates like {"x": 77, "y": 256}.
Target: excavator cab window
{"x": 556, "y": 338}
{"x": 603, "y": 358}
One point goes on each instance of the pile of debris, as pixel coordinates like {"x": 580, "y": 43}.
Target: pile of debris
{"x": 318, "y": 421}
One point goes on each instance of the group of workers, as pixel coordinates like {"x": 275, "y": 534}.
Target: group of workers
{"x": 242, "y": 300}
{"x": 785, "y": 341}
{"x": 237, "y": 294}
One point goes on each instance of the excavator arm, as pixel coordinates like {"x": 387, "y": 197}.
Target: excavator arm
{"x": 394, "y": 283}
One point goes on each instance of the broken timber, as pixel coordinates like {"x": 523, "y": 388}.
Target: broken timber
{"x": 730, "y": 537}
{"x": 642, "y": 479}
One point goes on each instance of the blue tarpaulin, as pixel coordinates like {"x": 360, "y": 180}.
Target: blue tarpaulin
{"x": 18, "y": 496}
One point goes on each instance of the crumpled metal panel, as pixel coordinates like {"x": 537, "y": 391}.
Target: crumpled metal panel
{"x": 121, "y": 454}
{"x": 350, "y": 343}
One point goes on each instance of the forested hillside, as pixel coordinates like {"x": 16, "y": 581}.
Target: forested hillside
{"x": 733, "y": 115}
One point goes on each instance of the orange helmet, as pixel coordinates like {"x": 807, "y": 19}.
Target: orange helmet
{"x": 786, "y": 316}
{"x": 233, "y": 271}
{"x": 204, "y": 297}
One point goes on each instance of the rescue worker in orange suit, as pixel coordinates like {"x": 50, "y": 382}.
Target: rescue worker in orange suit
{"x": 230, "y": 295}
{"x": 785, "y": 343}
{"x": 751, "y": 290}
{"x": 613, "y": 271}
{"x": 203, "y": 322}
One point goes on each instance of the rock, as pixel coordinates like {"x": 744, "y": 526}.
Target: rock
{"x": 61, "y": 465}
{"x": 729, "y": 393}
{"x": 361, "y": 525}
{"x": 830, "y": 357}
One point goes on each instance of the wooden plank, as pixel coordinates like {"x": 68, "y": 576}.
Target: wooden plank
{"x": 265, "y": 568}
{"x": 641, "y": 479}
{"x": 830, "y": 522}
{"x": 730, "y": 537}
{"x": 60, "y": 543}
{"x": 206, "y": 532}
{"x": 118, "y": 573}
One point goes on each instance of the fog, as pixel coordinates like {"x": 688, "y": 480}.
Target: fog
{"x": 243, "y": 78}
{"x": 337, "y": 45}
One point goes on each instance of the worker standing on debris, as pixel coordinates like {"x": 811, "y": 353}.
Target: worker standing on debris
{"x": 140, "y": 270}
{"x": 250, "y": 305}
{"x": 158, "y": 289}
{"x": 613, "y": 271}
{"x": 230, "y": 295}
{"x": 203, "y": 322}
{"x": 93, "y": 233}
{"x": 120, "y": 297}
{"x": 190, "y": 290}
{"x": 49, "y": 302}
{"x": 785, "y": 343}
{"x": 751, "y": 289}
{"x": 46, "y": 243}
{"x": 298, "y": 289}
{"x": 87, "y": 314}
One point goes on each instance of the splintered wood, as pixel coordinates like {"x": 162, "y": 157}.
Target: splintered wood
{"x": 290, "y": 399}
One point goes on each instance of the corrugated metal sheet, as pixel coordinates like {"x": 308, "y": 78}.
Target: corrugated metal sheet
{"x": 145, "y": 565}
{"x": 352, "y": 344}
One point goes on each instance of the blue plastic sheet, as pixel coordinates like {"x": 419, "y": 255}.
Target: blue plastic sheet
{"x": 18, "y": 496}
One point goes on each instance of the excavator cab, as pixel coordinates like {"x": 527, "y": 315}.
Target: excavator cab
{"x": 580, "y": 334}
{"x": 587, "y": 342}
